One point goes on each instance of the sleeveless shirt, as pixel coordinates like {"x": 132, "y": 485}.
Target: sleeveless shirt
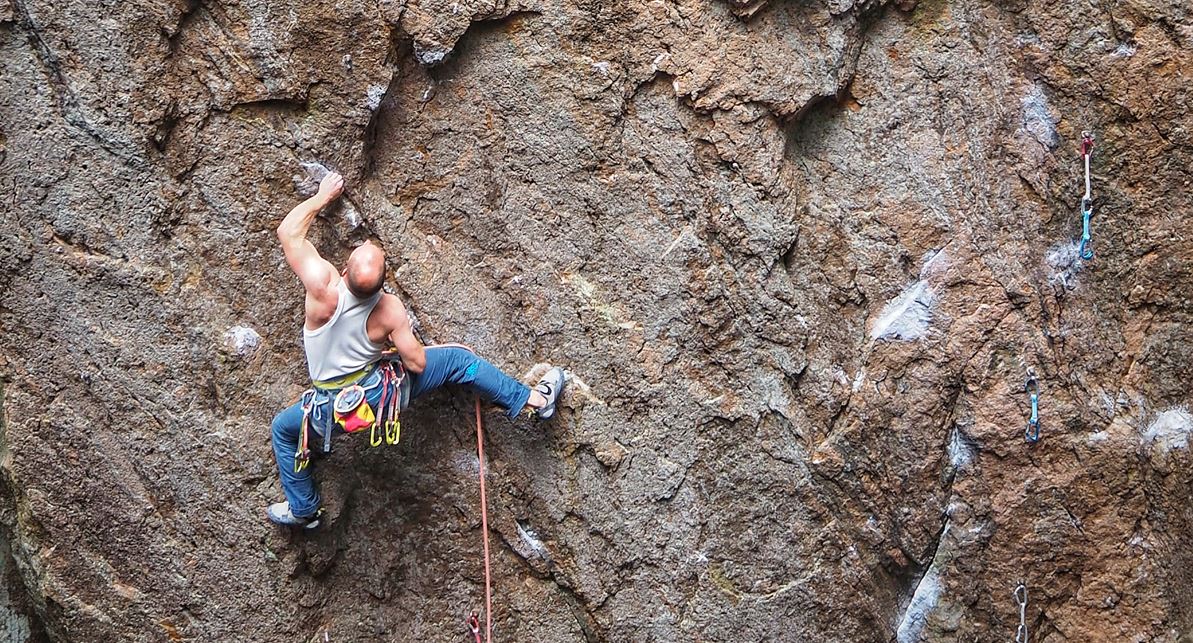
{"x": 342, "y": 345}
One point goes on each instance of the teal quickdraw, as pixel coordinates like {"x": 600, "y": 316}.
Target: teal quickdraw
{"x": 1087, "y": 248}
{"x": 1032, "y": 433}
{"x": 1087, "y": 201}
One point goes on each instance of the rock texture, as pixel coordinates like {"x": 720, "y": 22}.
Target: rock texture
{"x": 800, "y": 256}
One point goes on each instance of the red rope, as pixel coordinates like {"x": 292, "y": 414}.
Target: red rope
{"x": 473, "y": 621}
{"x": 480, "y": 458}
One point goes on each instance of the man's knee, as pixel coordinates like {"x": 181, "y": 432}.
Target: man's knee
{"x": 284, "y": 428}
{"x": 464, "y": 366}
{"x": 451, "y": 364}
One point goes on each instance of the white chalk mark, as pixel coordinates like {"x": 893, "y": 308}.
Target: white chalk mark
{"x": 678, "y": 238}
{"x": 244, "y": 340}
{"x": 1170, "y": 429}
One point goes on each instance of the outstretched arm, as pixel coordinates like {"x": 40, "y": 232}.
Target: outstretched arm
{"x": 314, "y": 271}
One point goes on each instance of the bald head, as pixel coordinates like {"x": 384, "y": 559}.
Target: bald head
{"x": 365, "y": 271}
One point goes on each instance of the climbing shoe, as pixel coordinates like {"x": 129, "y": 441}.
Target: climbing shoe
{"x": 550, "y": 386}
{"x": 279, "y": 513}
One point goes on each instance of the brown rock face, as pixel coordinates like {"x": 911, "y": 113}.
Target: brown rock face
{"x": 800, "y": 256}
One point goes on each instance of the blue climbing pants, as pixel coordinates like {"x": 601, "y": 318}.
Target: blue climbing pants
{"x": 445, "y": 365}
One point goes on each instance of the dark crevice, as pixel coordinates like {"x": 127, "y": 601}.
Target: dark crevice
{"x": 584, "y": 620}
{"x": 584, "y": 617}
{"x": 282, "y": 106}
{"x": 448, "y": 66}
{"x": 191, "y": 13}
{"x": 830, "y": 104}
{"x": 400, "y": 49}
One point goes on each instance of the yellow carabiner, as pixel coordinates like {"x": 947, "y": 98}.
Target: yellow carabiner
{"x": 374, "y": 437}
{"x": 300, "y": 463}
{"x": 393, "y": 431}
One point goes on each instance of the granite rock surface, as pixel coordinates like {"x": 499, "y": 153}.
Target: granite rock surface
{"x": 800, "y": 258}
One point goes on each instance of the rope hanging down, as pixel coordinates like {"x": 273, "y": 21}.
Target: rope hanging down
{"x": 474, "y": 625}
{"x": 1032, "y": 432}
{"x": 1087, "y": 201}
{"x": 474, "y": 622}
{"x": 1021, "y": 599}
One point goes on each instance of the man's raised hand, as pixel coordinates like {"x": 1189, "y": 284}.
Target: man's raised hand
{"x": 330, "y": 187}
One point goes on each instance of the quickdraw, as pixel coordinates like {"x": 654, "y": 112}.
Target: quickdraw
{"x": 474, "y": 626}
{"x": 390, "y": 406}
{"x": 1020, "y": 594}
{"x": 1087, "y": 201}
{"x": 1032, "y": 388}
{"x": 303, "y": 456}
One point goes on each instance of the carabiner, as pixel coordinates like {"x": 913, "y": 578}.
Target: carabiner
{"x": 393, "y": 431}
{"x": 375, "y": 438}
{"x": 1032, "y": 432}
{"x": 1021, "y": 631}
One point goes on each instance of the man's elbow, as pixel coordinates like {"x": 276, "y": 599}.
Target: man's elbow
{"x": 284, "y": 233}
{"x": 415, "y": 361}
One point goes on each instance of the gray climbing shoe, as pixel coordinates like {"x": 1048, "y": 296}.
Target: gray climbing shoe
{"x": 279, "y": 513}
{"x": 550, "y": 386}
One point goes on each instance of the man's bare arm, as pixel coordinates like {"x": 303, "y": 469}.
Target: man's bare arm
{"x": 314, "y": 271}
{"x": 414, "y": 356}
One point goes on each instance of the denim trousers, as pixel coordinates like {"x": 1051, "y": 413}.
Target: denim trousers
{"x": 445, "y": 365}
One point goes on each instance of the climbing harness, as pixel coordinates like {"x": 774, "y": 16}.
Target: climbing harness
{"x": 349, "y": 407}
{"x": 1021, "y": 599}
{"x": 1032, "y": 388}
{"x": 1087, "y": 202}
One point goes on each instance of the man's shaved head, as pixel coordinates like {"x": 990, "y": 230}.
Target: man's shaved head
{"x": 365, "y": 271}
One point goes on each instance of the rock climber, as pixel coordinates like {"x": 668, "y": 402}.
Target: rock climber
{"x": 358, "y": 384}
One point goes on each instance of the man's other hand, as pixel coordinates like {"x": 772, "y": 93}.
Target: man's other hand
{"x": 330, "y": 187}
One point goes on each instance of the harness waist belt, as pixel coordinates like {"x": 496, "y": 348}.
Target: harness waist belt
{"x": 346, "y": 380}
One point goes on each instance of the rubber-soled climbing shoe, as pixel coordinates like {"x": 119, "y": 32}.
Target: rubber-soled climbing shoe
{"x": 279, "y": 513}
{"x": 550, "y": 386}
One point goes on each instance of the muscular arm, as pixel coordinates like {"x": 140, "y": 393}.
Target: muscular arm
{"x": 414, "y": 356}
{"x": 314, "y": 271}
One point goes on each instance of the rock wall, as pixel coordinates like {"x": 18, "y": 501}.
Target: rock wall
{"x": 800, "y": 256}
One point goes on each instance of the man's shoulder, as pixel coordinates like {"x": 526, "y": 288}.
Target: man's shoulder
{"x": 390, "y": 301}
{"x": 391, "y": 309}
{"x": 325, "y": 289}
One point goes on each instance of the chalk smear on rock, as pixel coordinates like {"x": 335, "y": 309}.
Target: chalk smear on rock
{"x": 1170, "y": 429}
{"x": 908, "y": 316}
{"x": 242, "y": 339}
{"x": 923, "y": 600}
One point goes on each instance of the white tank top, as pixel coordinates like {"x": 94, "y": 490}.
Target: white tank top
{"x": 342, "y": 345}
